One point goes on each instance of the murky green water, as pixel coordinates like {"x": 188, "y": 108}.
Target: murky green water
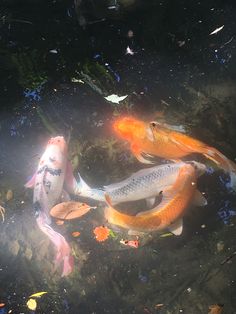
{"x": 190, "y": 85}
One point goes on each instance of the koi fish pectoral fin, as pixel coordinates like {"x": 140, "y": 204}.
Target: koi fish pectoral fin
{"x": 70, "y": 182}
{"x": 140, "y": 155}
{"x": 65, "y": 197}
{"x": 150, "y": 201}
{"x": 30, "y": 184}
{"x": 177, "y": 227}
{"x": 199, "y": 199}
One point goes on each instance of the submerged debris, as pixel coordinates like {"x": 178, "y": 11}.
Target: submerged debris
{"x": 101, "y": 233}
{"x": 215, "y": 309}
{"x": 2, "y": 213}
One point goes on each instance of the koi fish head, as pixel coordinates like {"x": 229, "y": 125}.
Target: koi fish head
{"x": 60, "y": 142}
{"x": 130, "y": 128}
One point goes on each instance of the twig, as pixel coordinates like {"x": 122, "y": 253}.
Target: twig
{"x": 228, "y": 258}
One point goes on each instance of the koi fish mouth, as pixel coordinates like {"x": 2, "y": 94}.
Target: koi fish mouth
{"x": 60, "y": 142}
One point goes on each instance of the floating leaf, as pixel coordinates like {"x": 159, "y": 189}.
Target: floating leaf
{"x": 37, "y": 294}
{"x": 115, "y": 99}
{"x": 32, "y": 304}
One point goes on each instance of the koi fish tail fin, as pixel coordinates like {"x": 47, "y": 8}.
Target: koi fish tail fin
{"x": 224, "y": 163}
{"x": 82, "y": 187}
{"x": 63, "y": 249}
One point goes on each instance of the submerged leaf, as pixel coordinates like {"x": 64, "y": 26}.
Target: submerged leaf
{"x": 165, "y": 235}
{"x": 37, "y": 294}
{"x": 111, "y": 233}
{"x": 75, "y": 234}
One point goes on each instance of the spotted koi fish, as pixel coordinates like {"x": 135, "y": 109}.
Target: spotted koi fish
{"x": 53, "y": 173}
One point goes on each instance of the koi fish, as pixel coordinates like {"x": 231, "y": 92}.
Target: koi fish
{"x": 168, "y": 214}
{"x": 143, "y": 184}
{"x": 53, "y": 171}
{"x": 155, "y": 139}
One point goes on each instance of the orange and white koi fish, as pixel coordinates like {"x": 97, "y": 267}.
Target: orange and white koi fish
{"x": 155, "y": 139}
{"x": 53, "y": 171}
{"x": 168, "y": 214}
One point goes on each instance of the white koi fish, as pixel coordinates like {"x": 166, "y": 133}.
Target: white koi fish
{"x": 53, "y": 170}
{"x": 143, "y": 184}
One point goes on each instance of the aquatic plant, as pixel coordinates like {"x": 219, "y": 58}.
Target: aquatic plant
{"x": 29, "y": 68}
{"x": 96, "y": 76}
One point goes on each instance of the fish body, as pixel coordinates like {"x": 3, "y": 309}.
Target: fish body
{"x": 52, "y": 172}
{"x": 168, "y": 214}
{"x": 50, "y": 175}
{"x": 155, "y": 139}
{"x": 143, "y": 184}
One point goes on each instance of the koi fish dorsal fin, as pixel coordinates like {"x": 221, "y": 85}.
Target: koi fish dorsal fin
{"x": 140, "y": 155}
{"x": 81, "y": 186}
{"x": 199, "y": 199}
{"x": 177, "y": 227}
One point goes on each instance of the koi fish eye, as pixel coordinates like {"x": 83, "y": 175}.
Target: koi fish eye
{"x": 153, "y": 124}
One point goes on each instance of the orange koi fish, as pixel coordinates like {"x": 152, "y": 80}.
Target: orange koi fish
{"x": 169, "y": 213}
{"x": 155, "y": 139}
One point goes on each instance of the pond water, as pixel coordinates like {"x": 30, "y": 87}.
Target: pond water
{"x": 187, "y": 79}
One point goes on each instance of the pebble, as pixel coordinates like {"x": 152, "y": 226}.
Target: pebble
{"x": 9, "y": 195}
{"x": 220, "y": 246}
